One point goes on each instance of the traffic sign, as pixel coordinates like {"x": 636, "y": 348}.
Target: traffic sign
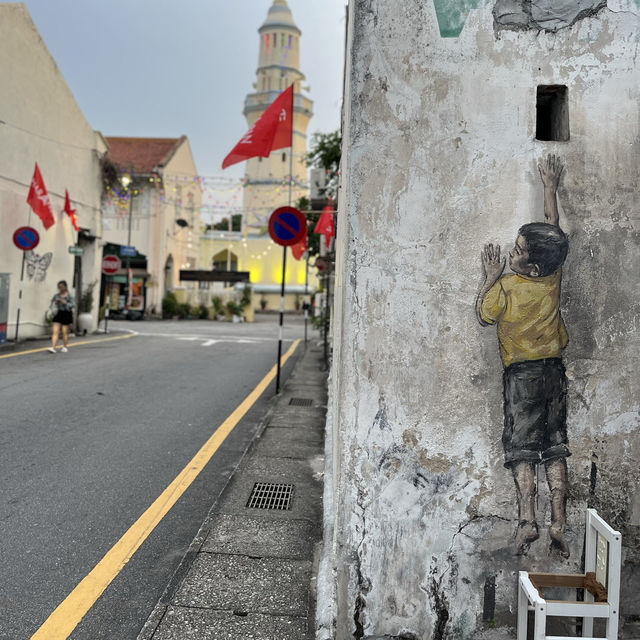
{"x": 111, "y": 265}
{"x": 26, "y": 238}
{"x": 75, "y": 250}
{"x": 287, "y": 226}
{"x": 128, "y": 251}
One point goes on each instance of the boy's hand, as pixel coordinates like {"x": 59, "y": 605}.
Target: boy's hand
{"x": 550, "y": 171}
{"x": 492, "y": 262}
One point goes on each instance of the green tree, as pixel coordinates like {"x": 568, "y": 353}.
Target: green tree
{"x": 326, "y": 150}
{"x": 223, "y": 225}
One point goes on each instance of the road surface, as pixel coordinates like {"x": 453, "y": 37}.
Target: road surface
{"x": 89, "y": 439}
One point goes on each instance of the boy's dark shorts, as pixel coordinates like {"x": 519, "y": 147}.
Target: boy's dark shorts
{"x": 535, "y": 411}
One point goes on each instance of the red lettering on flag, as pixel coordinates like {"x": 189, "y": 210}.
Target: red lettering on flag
{"x": 273, "y": 130}
{"x": 38, "y": 199}
{"x": 324, "y": 225}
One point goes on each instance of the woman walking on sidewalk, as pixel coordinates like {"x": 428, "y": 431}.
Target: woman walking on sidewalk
{"x": 62, "y": 305}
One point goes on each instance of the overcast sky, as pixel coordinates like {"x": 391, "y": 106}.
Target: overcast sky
{"x": 162, "y": 68}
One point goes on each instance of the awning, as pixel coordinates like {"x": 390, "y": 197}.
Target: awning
{"x": 135, "y": 273}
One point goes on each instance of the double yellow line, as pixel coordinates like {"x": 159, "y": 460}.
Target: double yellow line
{"x": 60, "y": 624}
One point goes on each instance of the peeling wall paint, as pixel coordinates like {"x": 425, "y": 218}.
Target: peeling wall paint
{"x": 440, "y": 157}
{"x": 549, "y": 15}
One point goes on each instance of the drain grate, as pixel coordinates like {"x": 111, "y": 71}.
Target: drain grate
{"x": 301, "y": 402}
{"x": 267, "y": 495}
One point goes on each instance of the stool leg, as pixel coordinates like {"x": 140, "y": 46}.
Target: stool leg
{"x": 612, "y": 627}
{"x": 587, "y": 623}
{"x": 523, "y": 611}
{"x": 540, "y": 628}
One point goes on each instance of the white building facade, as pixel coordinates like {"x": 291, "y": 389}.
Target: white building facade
{"x": 41, "y": 122}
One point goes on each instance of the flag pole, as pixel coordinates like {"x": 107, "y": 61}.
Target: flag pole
{"x": 284, "y": 266}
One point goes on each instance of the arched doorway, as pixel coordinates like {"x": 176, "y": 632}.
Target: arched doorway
{"x": 225, "y": 261}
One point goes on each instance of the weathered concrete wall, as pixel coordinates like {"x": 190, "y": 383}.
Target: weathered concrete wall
{"x": 440, "y": 157}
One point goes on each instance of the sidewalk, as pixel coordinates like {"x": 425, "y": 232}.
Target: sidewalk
{"x": 250, "y": 572}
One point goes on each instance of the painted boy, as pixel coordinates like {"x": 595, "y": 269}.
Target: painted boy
{"x": 525, "y": 307}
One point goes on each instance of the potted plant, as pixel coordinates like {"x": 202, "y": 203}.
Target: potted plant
{"x": 85, "y": 306}
{"x": 263, "y": 303}
{"x": 218, "y": 307}
{"x": 234, "y": 310}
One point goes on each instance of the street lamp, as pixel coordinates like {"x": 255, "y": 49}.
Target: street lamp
{"x": 125, "y": 181}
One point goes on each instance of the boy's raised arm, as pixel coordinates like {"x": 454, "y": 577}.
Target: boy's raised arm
{"x": 550, "y": 171}
{"x": 493, "y": 265}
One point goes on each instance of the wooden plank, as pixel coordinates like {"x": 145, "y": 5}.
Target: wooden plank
{"x": 571, "y": 580}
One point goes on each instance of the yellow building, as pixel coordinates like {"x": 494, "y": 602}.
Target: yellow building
{"x": 266, "y": 183}
{"x": 267, "y": 179}
{"x": 262, "y": 258}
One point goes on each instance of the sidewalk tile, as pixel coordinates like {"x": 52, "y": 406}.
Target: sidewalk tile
{"x": 261, "y": 537}
{"x": 261, "y": 585}
{"x": 181, "y": 623}
{"x": 289, "y": 442}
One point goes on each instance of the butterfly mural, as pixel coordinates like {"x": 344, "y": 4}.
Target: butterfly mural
{"x": 37, "y": 265}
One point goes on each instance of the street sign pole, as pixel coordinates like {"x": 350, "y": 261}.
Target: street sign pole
{"x": 284, "y": 267}
{"x": 107, "y": 306}
{"x": 287, "y": 226}
{"x": 307, "y": 302}
{"x": 25, "y": 239}
{"x": 20, "y": 296}
{"x": 110, "y": 266}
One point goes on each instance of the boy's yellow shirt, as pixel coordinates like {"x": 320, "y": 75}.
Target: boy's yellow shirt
{"x": 527, "y": 312}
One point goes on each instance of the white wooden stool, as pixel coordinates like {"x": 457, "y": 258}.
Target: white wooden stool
{"x": 600, "y": 582}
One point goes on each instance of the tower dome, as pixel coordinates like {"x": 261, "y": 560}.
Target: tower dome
{"x": 279, "y": 16}
{"x": 278, "y": 69}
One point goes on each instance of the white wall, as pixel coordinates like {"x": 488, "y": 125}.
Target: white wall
{"x": 41, "y": 122}
{"x": 440, "y": 158}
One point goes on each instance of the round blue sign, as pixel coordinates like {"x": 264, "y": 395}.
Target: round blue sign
{"x": 26, "y": 238}
{"x": 287, "y": 226}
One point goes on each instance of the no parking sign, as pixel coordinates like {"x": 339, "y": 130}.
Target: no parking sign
{"x": 287, "y": 226}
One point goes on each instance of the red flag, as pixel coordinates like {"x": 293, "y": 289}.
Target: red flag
{"x": 38, "y": 199}
{"x": 325, "y": 224}
{"x": 273, "y": 130}
{"x": 298, "y": 249}
{"x": 69, "y": 211}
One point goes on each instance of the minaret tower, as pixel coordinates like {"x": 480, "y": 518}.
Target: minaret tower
{"x": 266, "y": 186}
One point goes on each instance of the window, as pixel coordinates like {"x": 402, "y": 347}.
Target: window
{"x": 275, "y": 40}
{"x": 552, "y": 113}
{"x": 284, "y": 157}
{"x": 290, "y": 41}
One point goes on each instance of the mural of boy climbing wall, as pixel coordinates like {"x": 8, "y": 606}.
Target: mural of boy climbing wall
{"x": 525, "y": 307}
{"x": 450, "y": 106}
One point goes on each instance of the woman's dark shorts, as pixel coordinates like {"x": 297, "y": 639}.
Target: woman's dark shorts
{"x": 63, "y": 317}
{"x": 535, "y": 411}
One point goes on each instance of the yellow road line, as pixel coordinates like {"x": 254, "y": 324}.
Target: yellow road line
{"x": 71, "y": 344}
{"x": 60, "y": 624}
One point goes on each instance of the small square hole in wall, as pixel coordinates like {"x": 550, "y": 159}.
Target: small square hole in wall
{"x": 552, "y": 112}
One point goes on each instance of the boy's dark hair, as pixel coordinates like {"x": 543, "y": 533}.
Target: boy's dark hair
{"x": 64, "y": 282}
{"x": 547, "y": 245}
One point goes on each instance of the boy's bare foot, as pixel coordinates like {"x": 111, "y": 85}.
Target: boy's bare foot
{"x": 556, "y": 533}
{"x": 526, "y": 533}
